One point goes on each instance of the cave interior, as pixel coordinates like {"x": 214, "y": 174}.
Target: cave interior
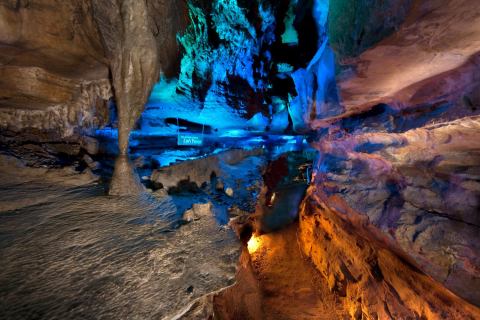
{"x": 240, "y": 159}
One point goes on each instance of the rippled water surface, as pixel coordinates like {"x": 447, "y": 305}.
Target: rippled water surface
{"x": 68, "y": 251}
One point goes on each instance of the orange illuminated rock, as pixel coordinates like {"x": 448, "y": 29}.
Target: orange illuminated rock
{"x": 371, "y": 278}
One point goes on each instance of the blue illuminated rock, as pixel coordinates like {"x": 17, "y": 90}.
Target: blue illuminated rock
{"x": 233, "y": 58}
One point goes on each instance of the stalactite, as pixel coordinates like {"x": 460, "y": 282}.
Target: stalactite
{"x": 132, "y": 43}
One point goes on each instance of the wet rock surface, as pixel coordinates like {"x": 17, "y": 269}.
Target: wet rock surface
{"x": 69, "y": 251}
{"x": 274, "y": 282}
{"x": 125, "y": 180}
{"x": 243, "y": 182}
{"x": 217, "y": 169}
{"x": 387, "y": 228}
{"x": 155, "y": 255}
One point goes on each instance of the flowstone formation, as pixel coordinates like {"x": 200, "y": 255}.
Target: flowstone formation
{"x": 133, "y": 42}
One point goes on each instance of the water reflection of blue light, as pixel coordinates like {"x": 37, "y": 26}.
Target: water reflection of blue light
{"x": 169, "y": 157}
{"x": 274, "y": 145}
{"x": 235, "y": 133}
{"x": 107, "y": 133}
{"x": 256, "y": 139}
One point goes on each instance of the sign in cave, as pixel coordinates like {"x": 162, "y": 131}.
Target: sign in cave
{"x": 190, "y": 139}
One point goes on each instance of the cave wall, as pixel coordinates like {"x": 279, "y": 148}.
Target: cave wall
{"x": 273, "y": 73}
{"x": 356, "y": 25}
{"x": 42, "y": 25}
{"x": 403, "y": 157}
{"x": 370, "y": 276}
{"x": 53, "y": 73}
{"x": 262, "y": 65}
{"x": 68, "y": 55}
{"x": 398, "y": 141}
{"x": 64, "y": 62}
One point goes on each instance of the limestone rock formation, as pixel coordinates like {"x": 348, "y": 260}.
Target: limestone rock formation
{"x": 60, "y": 63}
{"x": 257, "y": 62}
{"x": 389, "y": 227}
{"x": 419, "y": 63}
{"x": 420, "y": 188}
{"x": 52, "y": 73}
{"x": 356, "y": 25}
{"x": 137, "y": 38}
{"x": 404, "y": 156}
{"x": 125, "y": 181}
{"x": 133, "y": 34}
{"x": 217, "y": 167}
{"x": 370, "y": 278}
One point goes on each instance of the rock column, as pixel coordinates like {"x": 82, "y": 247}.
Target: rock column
{"x": 132, "y": 52}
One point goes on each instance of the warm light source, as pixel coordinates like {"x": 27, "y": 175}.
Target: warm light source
{"x": 254, "y": 244}
{"x": 272, "y": 200}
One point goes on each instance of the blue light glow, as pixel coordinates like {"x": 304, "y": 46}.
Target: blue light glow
{"x": 290, "y": 36}
{"x": 284, "y": 67}
{"x": 235, "y": 133}
{"x": 320, "y": 13}
{"x": 205, "y": 93}
{"x": 314, "y": 84}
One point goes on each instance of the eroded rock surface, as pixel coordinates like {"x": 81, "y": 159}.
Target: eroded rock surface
{"x": 53, "y": 76}
{"x": 60, "y": 63}
{"x": 370, "y": 278}
{"x": 390, "y": 224}
{"x": 220, "y": 169}
{"x": 422, "y": 62}
{"x": 68, "y": 251}
{"x": 356, "y": 25}
{"x": 420, "y": 188}
{"x": 405, "y": 155}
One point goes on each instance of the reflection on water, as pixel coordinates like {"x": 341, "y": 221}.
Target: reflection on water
{"x": 71, "y": 252}
{"x": 164, "y": 151}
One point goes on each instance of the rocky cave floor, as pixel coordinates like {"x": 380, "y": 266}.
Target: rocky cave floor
{"x": 208, "y": 247}
{"x": 70, "y": 251}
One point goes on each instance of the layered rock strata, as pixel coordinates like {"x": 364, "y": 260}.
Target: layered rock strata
{"x": 405, "y": 154}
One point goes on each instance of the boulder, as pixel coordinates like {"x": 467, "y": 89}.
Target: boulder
{"x": 198, "y": 211}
